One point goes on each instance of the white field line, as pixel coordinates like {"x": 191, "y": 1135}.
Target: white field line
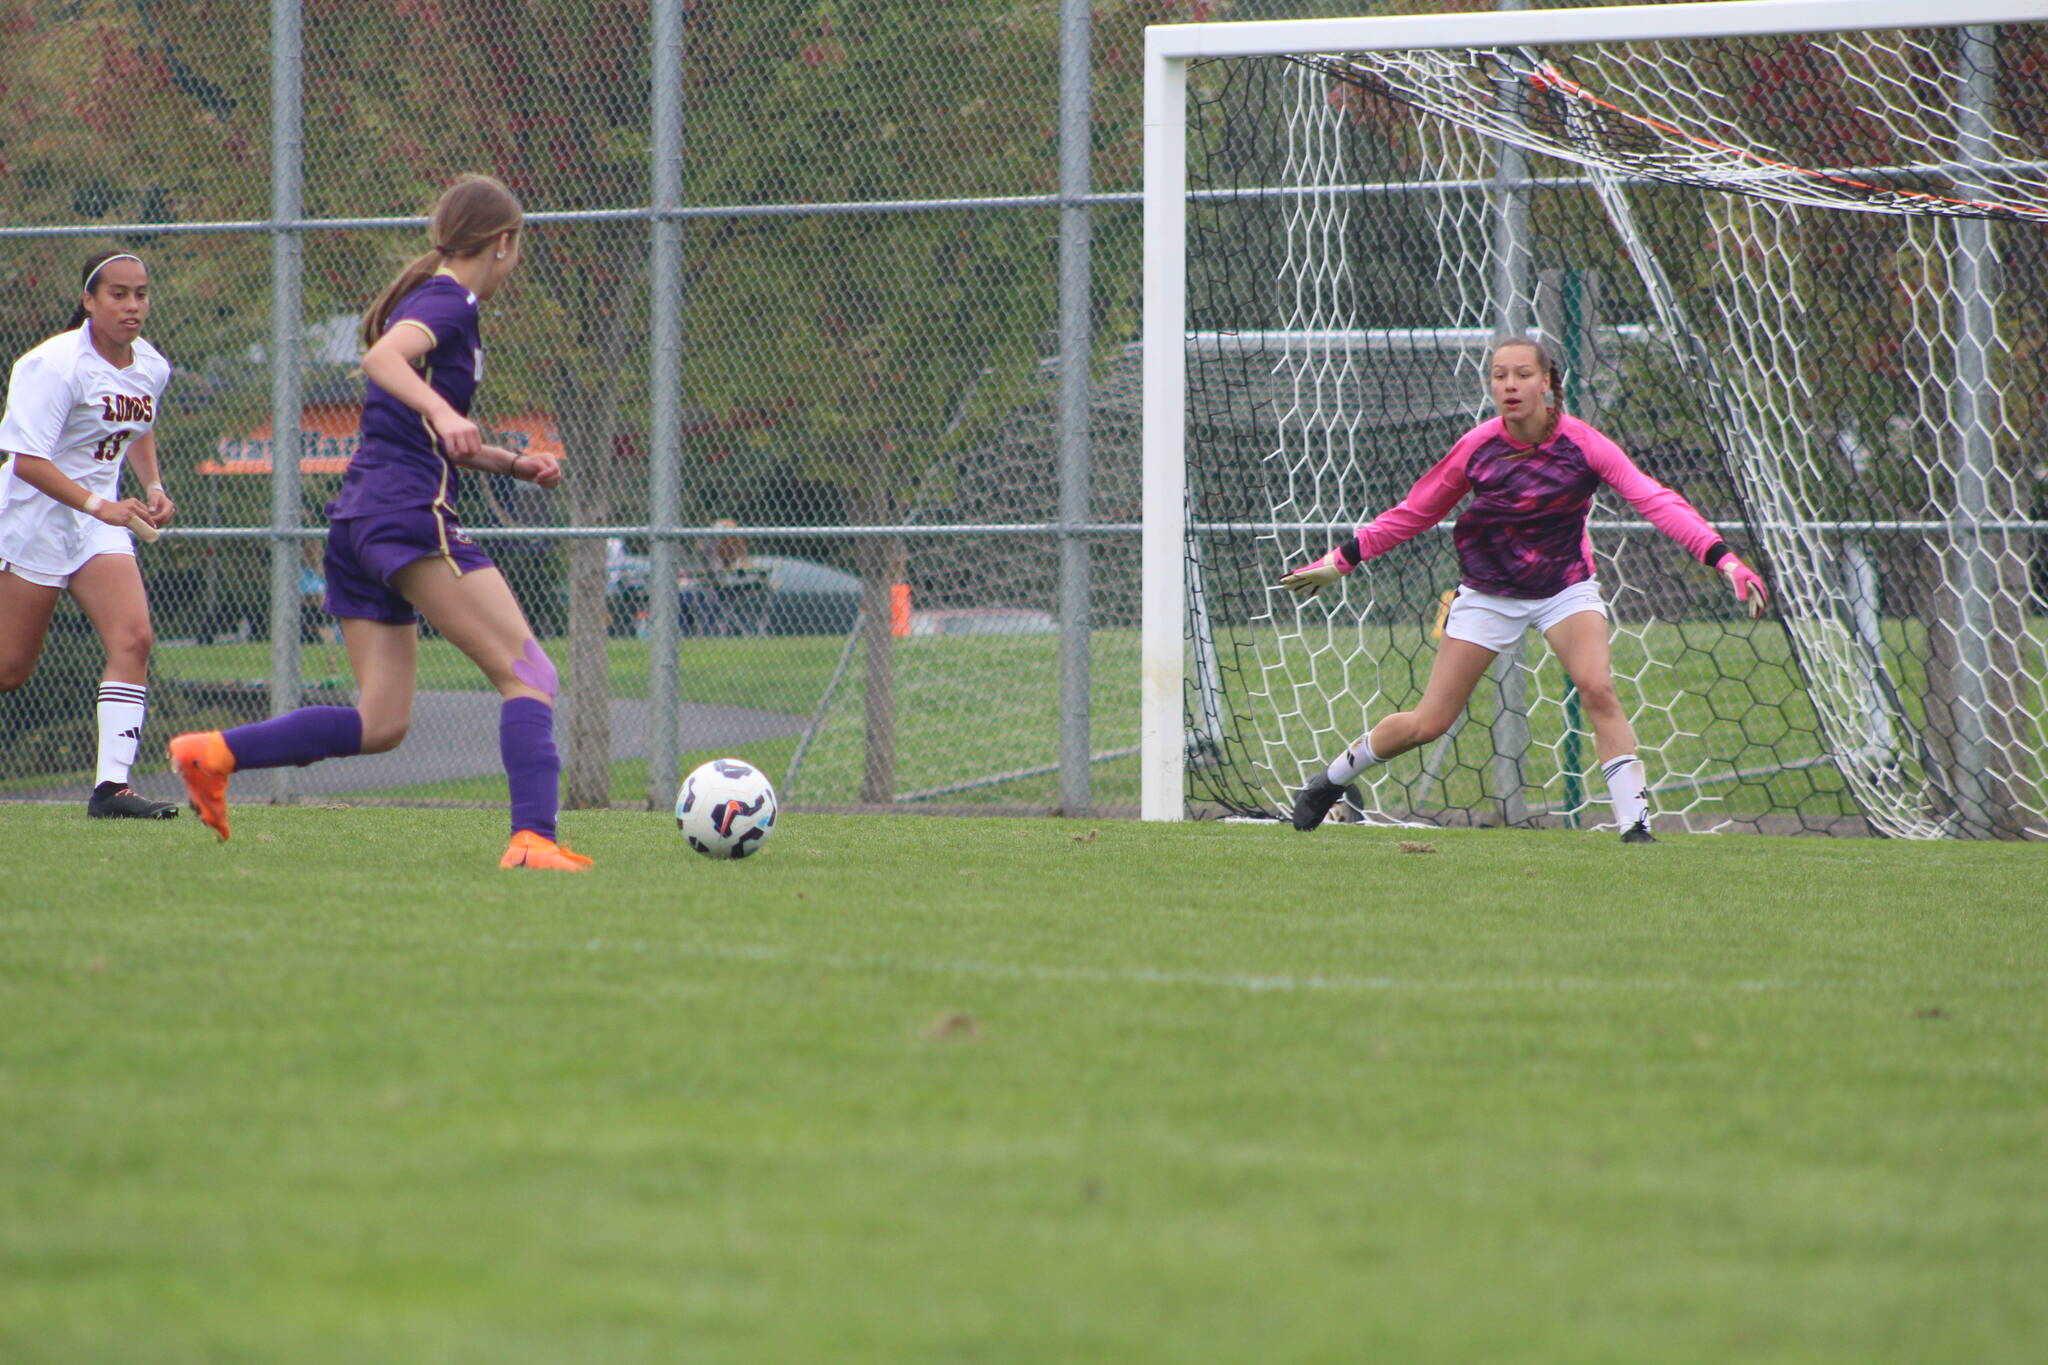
{"x": 1256, "y": 983}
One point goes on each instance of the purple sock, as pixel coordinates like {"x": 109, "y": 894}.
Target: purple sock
{"x": 526, "y": 741}
{"x": 297, "y": 738}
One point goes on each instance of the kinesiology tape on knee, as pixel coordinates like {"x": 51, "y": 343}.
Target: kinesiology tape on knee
{"x": 537, "y": 671}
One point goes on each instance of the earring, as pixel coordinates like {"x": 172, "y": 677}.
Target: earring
{"x": 501, "y": 255}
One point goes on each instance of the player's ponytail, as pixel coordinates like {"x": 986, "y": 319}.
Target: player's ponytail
{"x": 86, "y": 276}
{"x": 417, "y": 271}
{"x": 471, "y": 214}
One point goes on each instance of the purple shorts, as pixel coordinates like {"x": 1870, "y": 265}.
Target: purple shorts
{"x": 364, "y": 553}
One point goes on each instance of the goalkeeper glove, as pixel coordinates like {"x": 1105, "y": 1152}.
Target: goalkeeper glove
{"x": 1749, "y": 587}
{"x": 1312, "y": 577}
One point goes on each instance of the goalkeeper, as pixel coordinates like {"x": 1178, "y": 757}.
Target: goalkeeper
{"x": 1523, "y": 560}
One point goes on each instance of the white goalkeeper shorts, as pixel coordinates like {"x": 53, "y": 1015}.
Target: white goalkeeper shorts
{"x": 42, "y": 541}
{"x": 1495, "y": 623}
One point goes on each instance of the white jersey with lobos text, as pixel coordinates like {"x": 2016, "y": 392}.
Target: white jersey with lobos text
{"x": 67, "y": 404}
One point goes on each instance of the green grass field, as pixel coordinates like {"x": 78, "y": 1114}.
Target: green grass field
{"x": 1718, "y": 708}
{"x": 967, "y": 706}
{"x": 983, "y": 1090}
{"x": 975, "y": 706}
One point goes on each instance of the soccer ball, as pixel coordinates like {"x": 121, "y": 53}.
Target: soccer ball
{"x": 726, "y": 808}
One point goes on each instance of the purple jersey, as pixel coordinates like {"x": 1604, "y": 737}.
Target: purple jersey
{"x": 398, "y": 463}
{"x": 1525, "y": 533}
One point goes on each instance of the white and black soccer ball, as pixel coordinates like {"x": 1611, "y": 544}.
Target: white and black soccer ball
{"x": 726, "y": 808}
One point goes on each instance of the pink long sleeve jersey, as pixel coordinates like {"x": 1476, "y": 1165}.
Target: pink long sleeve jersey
{"x": 1525, "y": 533}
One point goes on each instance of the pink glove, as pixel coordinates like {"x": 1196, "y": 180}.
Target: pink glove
{"x": 1312, "y": 577}
{"x": 1749, "y": 587}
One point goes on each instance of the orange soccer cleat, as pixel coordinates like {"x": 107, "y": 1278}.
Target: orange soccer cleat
{"x": 528, "y": 849}
{"x": 204, "y": 761}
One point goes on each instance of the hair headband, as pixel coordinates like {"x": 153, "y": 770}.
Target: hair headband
{"x": 117, "y": 256}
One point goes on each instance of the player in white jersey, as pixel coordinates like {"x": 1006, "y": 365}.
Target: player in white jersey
{"x": 79, "y": 407}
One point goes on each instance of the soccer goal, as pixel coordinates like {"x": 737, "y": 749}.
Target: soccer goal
{"x": 1795, "y": 258}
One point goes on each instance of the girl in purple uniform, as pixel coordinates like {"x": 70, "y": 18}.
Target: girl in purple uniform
{"x": 395, "y": 551}
{"x": 1524, "y": 560}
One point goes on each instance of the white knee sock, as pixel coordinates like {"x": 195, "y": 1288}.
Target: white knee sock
{"x": 1625, "y": 782}
{"x": 1353, "y": 761}
{"x": 122, "y": 706}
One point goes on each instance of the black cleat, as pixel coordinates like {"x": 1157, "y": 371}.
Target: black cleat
{"x": 1313, "y": 802}
{"x": 119, "y": 801}
{"x": 1638, "y": 833}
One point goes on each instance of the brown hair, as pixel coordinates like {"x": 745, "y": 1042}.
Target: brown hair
{"x": 470, "y": 214}
{"x": 726, "y": 552}
{"x": 1546, "y": 361}
{"x": 85, "y": 280}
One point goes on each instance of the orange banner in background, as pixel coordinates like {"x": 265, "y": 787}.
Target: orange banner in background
{"x": 327, "y": 438}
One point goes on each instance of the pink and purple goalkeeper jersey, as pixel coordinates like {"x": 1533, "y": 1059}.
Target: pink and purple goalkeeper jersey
{"x": 1524, "y": 534}
{"x": 398, "y": 464}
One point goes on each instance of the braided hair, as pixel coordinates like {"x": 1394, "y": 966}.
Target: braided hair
{"x": 1553, "y": 374}
{"x": 1546, "y": 361}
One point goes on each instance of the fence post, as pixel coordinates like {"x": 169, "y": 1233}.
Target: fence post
{"x": 1076, "y": 363}
{"x": 1514, "y": 266}
{"x": 665, "y": 381}
{"x": 287, "y": 204}
{"x": 1973, "y": 413}
{"x": 1514, "y": 260}
{"x": 1567, "y": 309}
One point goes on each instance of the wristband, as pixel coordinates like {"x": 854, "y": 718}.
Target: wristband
{"x": 153, "y": 488}
{"x": 512, "y": 470}
{"x": 93, "y": 503}
{"x": 1715, "y": 554}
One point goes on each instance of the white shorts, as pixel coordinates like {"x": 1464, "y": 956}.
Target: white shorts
{"x": 1495, "y": 623}
{"x": 47, "y": 544}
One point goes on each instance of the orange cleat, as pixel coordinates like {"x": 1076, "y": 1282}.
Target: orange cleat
{"x": 204, "y": 761}
{"x": 528, "y": 849}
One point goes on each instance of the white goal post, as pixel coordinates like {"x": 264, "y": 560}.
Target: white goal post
{"x": 1838, "y": 651}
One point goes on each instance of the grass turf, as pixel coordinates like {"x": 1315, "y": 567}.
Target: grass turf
{"x": 1709, "y": 699}
{"x": 948, "y": 1090}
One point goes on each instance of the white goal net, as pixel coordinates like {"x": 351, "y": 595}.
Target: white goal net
{"x": 1799, "y": 275}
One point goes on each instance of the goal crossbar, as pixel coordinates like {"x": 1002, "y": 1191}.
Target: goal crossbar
{"x": 1619, "y": 23}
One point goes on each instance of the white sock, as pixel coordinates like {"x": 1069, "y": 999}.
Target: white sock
{"x": 1353, "y": 761}
{"x": 122, "y": 706}
{"x": 1625, "y": 783}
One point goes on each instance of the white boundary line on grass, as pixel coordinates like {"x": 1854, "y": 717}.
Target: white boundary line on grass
{"x": 1257, "y": 983}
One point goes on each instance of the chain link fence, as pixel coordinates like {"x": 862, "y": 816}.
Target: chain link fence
{"x": 799, "y": 289}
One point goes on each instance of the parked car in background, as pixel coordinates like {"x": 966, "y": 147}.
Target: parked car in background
{"x": 983, "y": 621}
{"x": 806, "y": 597}
{"x": 767, "y": 595}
